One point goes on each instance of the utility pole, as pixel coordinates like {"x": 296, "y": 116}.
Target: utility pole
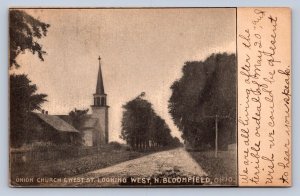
{"x": 216, "y": 138}
{"x": 216, "y": 117}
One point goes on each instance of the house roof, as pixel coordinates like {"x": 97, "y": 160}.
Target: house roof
{"x": 57, "y": 123}
{"x": 66, "y": 118}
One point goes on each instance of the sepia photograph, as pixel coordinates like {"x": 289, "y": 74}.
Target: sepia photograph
{"x": 123, "y": 97}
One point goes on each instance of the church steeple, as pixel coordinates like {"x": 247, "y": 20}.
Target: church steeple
{"x": 100, "y": 86}
{"x": 100, "y": 110}
{"x": 100, "y": 96}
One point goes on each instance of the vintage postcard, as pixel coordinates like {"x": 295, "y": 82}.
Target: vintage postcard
{"x": 150, "y": 97}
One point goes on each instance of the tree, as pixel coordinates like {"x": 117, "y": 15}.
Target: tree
{"x": 142, "y": 128}
{"x": 175, "y": 142}
{"x": 206, "y": 89}
{"x": 136, "y": 121}
{"x": 77, "y": 117}
{"x": 160, "y": 131}
{"x": 24, "y": 30}
{"x": 23, "y": 100}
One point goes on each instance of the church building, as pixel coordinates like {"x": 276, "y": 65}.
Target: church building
{"x": 96, "y": 125}
{"x": 93, "y": 128}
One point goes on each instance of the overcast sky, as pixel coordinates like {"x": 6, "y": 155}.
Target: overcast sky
{"x": 142, "y": 50}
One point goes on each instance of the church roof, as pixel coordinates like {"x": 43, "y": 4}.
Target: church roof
{"x": 100, "y": 85}
{"x": 57, "y": 123}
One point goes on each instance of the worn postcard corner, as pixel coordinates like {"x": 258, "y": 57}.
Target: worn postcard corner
{"x": 150, "y": 97}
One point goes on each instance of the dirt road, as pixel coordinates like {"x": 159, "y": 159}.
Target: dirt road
{"x": 176, "y": 162}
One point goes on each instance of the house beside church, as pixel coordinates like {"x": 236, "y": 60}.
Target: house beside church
{"x": 51, "y": 129}
{"x": 93, "y": 128}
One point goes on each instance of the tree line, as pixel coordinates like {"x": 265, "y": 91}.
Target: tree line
{"x": 206, "y": 89}
{"x": 142, "y": 128}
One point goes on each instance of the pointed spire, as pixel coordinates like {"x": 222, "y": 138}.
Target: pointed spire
{"x": 100, "y": 86}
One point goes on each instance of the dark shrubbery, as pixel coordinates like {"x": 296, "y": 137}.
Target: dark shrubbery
{"x": 115, "y": 145}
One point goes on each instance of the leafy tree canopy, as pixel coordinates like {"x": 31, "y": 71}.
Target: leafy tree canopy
{"x": 24, "y": 31}
{"x": 142, "y": 127}
{"x": 77, "y": 116}
{"x": 206, "y": 89}
{"x": 23, "y": 100}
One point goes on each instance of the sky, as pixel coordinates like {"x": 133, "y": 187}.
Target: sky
{"x": 142, "y": 50}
